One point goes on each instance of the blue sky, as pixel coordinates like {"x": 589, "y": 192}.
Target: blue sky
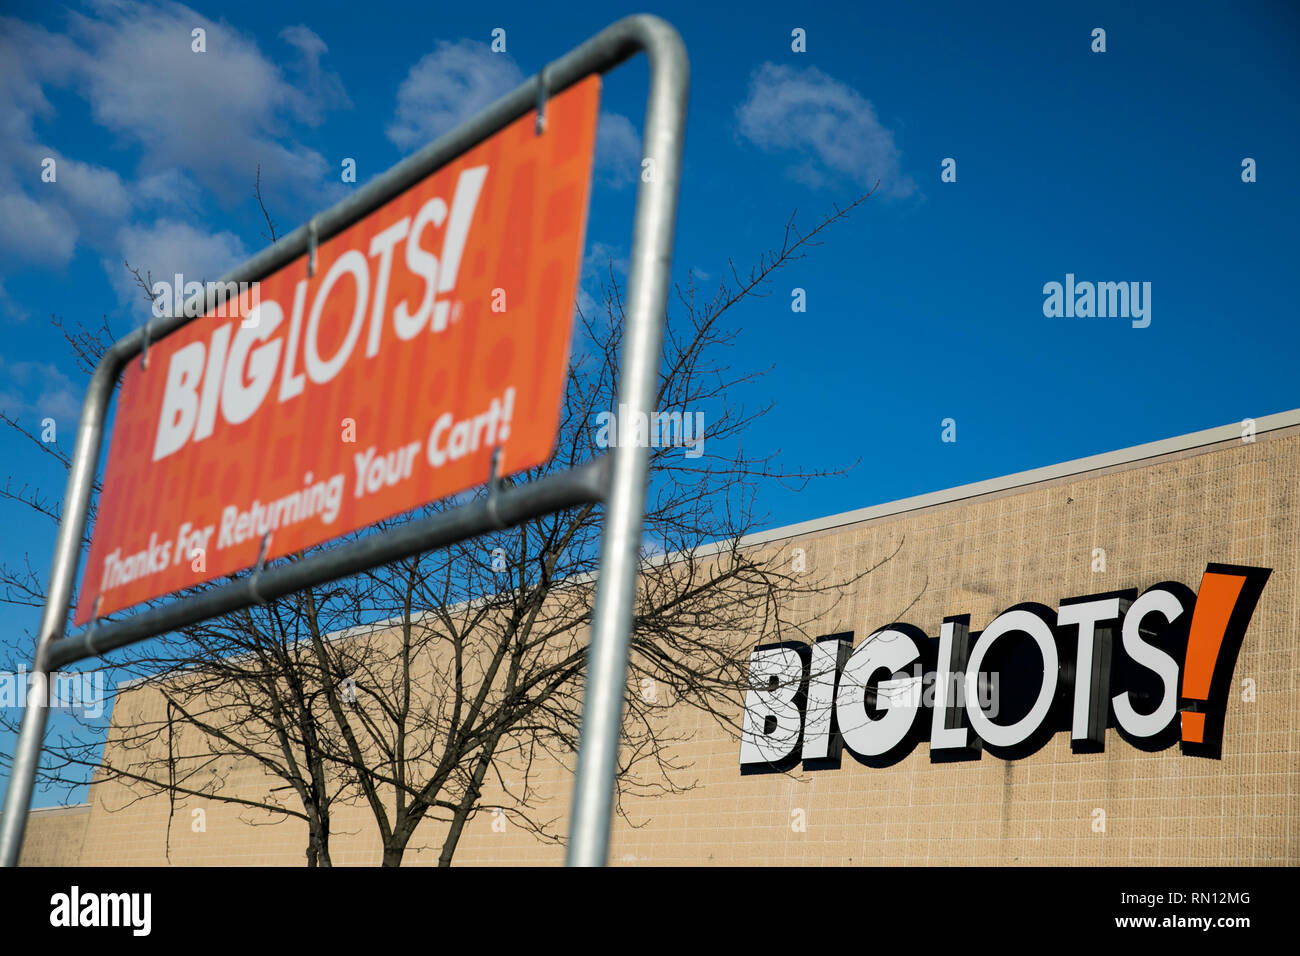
{"x": 927, "y": 304}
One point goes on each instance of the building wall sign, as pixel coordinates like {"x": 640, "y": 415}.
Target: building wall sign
{"x": 1158, "y": 667}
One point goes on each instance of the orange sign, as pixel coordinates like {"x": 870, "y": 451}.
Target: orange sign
{"x": 432, "y": 331}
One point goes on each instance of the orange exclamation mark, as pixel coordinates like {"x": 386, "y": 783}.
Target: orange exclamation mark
{"x": 1214, "y": 603}
{"x": 1224, "y": 605}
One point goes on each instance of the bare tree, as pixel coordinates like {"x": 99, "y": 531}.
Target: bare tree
{"x": 480, "y": 674}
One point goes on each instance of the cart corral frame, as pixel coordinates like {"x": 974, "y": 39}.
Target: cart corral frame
{"x": 617, "y": 479}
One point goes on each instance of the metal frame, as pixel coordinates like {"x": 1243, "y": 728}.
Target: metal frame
{"x": 617, "y": 478}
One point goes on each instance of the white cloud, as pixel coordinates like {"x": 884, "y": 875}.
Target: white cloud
{"x": 44, "y": 221}
{"x": 32, "y": 391}
{"x": 41, "y": 233}
{"x": 447, "y": 86}
{"x": 828, "y": 124}
{"x": 87, "y": 187}
{"x": 460, "y": 78}
{"x": 11, "y": 309}
{"x": 168, "y": 247}
{"x": 37, "y": 231}
{"x": 601, "y": 257}
{"x": 215, "y": 114}
{"x": 320, "y": 87}
{"x": 602, "y": 265}
{"x": 30, "y": 58}
{"x": 168, "y": 187}
{"x": 203, "y": 122}
{"x": 618, "y": 150}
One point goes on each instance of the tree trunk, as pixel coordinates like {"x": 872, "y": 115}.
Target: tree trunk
{"x": 468, "y": 801}
{"x": 453, "y": 836}
{"x": 321, "y": 845}
{"x": 318, "y": 837}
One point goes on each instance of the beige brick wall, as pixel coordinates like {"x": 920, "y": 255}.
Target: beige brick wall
{"x": 1157, "y": 520}
{"x": 55, "y": 836}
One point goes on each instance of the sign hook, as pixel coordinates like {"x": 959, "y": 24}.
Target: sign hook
{"x": 542, "y": 94}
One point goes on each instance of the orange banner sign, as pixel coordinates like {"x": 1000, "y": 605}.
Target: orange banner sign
{"x": 432, "y": 331}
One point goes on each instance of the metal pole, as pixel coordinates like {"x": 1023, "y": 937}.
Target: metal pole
{"x": 652, "y": 243}
{"x": 63, "y": 569}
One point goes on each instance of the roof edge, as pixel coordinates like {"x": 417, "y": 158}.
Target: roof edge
{"x": 1020, "y": 479}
